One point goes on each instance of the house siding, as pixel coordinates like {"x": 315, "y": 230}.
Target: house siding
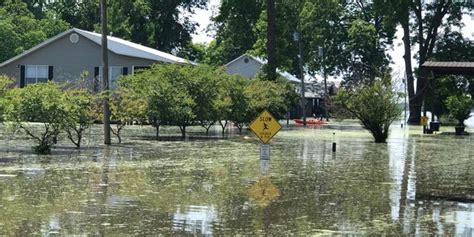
{"x": 247, "y": 69}
{"x": 69, "y": 60}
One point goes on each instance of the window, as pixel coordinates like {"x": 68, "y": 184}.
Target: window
{"x": 114, "y": 75}
{"x": 137, "y": 69}
{"x": 36, "y": 74}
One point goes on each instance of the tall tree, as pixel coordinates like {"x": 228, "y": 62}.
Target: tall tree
{"x": 20, "y": 30}
{"x": 80, "y": 14}
{"x": 271, "y": 40}
{"x": 429, "y": 18}
{"x": 234, "y": 26}
{"x": 164, "y": 25}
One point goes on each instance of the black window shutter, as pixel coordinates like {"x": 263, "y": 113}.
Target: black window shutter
{"x": 22, "y": 76}
{"x": 50, "y": 73}
{"x": 96, "y": 79}
{"x": 125, "y": 71}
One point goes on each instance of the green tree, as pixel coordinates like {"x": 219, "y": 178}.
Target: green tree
{"x": 52, "y": 26}
{"x": 20, "y": 30}
{"x": 42, "y": 103}
{"x": 271, "y": 66}
{"x": 375, "y": 105}
{"x": 6, "y": 84}
{"x": 286, "y": 52}
{"x": 80, "y": 14}
{"x": 459, "y": 107}
{"x": 275, "y": 96}
{"x": 126, "y": 107}
{"x": 239, "y": 110}
{"x": 234, "y": 26}
{"x": 78, "y": 106}
{"x": 203, "y": 87}
{"x": 168, "y": 97}
{"x": 430, "y": 18}
{"x": 195, "y": 53}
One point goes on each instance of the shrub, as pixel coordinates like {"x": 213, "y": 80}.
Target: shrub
{"x": 459, "y": 107}
{"x": 41, "y": 103}
{"x": 78, "y": 105}
{"x": 125, "y": 108}
{"x": 374, "y": 104}
{"x": 6, "y": 84}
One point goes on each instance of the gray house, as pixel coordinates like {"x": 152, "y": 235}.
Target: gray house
{"x": 248, "y": 66}
{"x": 66, "y": 56}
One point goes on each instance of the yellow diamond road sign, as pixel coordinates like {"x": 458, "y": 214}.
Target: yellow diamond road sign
{"x": 265, "y": 127}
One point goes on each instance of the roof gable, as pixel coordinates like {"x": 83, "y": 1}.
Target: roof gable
{"x": 262, "y": 62}
{"x": 115, "y": 45}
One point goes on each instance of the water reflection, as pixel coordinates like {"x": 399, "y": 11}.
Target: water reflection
{"x": 195, "y": 220}
{"x": 411, "y": 185}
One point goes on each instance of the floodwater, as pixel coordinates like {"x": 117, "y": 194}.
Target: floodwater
{"x": 413, "y": 185}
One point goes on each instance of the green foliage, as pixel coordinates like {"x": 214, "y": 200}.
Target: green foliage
{"x": 444, "y": 87}
{"x": 203, "y": 87}
{"x": 195, "y": 53}
{"x": 20, "y": 30}
{"x": 235, "y": 30}
{"x": 167, "y": 94}
{"x": 375, "y": 105}
{"x": 6, "y": 84}
{"x": 459, "y": 107}
{"x": 79, "y": 14}
{"x": 78, "y": 106}
{"x": 41, "y": 103}
{"x": 126, "y": 107}
{"x": 277, "y": 97}
{"x": 232, "y": 104}
{"x": 184, "y": 95}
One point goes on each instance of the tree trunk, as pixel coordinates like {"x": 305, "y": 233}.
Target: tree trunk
{"x": 183, "y": 131}
{"x": 223, "y": 126}
{"x": 79, "y": 139}
{"x": 240, "y": 127}
{"x": 271, "y": 39}
{"x": 415, "y": 111}
{"x": 119, "y": 138}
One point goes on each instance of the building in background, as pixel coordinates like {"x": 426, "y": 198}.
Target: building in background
{"x": 249, "y": 66}
{"x": 75, "y": 56}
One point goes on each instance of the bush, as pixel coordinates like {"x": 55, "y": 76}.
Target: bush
{"x": 41, "y": 103}
{"x": 184, "y": 95}
{"x": 126, "y": 107}
{"x": 6, "y": 84}
{"x": 78, "y": 105}
{"x": 459, "y": 107}
{"x": 375, "y": 105}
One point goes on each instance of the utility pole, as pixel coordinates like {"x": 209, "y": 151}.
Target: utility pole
{"x": 326, "y": 98}
{"x": 105, "y": 73}
{"x": 297, "y": 38}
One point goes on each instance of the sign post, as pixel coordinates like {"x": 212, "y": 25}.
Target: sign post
{"x": 265, "y": 126}
{"x": 265, "y": 152}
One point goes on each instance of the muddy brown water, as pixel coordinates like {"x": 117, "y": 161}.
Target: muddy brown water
{"x": 412, "y": 185}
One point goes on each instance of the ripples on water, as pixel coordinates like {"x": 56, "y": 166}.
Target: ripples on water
{"x": 413, "y": 185}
